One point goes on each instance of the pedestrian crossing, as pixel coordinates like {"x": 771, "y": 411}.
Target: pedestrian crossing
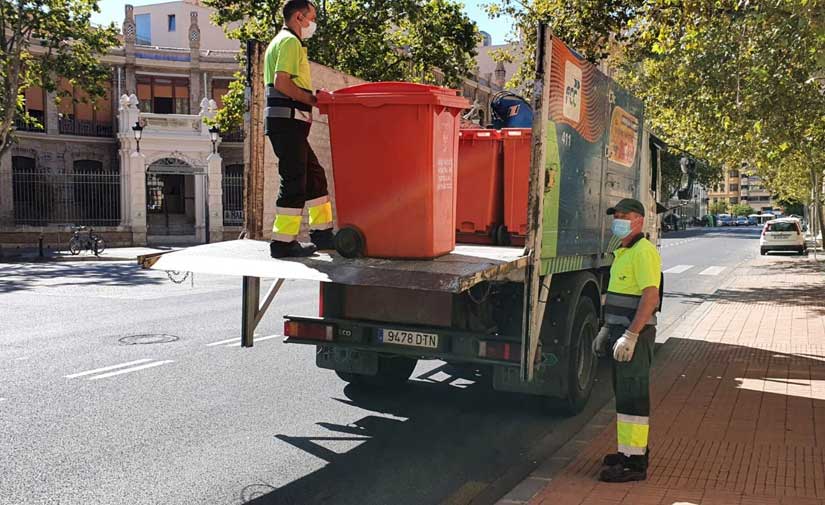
{"x": 705, "y": 270}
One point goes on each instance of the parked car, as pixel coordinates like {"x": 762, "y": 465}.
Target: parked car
{"x": 742, "y": 221}
{"x": 782, "y": 235}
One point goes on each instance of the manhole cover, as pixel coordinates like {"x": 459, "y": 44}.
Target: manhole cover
{"x": 148, "y": 338}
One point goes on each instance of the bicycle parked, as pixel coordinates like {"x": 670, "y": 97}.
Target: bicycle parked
{"x": 88, "y": 242}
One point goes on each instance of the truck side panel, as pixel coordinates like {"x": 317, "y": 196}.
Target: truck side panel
{"x": 593, "y": 141}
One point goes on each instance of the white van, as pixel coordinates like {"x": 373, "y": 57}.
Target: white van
{"x": 782, "y": 235}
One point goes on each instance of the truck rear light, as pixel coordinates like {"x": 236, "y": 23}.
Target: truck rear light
{"x": 505, "y": 351}
{"x": 321, "y": 299}
{"x": 309, "y": 331}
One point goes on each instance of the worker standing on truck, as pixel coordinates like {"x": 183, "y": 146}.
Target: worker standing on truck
{"x": 289, "y": 102}
{"x": 629, "y": 334}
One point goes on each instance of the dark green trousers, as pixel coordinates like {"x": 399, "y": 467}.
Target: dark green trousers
{"x": 631, "y": 385}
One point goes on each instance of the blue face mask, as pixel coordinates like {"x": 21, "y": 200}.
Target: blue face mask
{"x": 621, "y": 228}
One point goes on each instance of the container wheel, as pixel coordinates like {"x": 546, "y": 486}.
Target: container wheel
{"x": 393, "y": 372}
{"x": 349, "y": 242}
{"x": 501, "y": 236}
{"x": 583, "y": 363}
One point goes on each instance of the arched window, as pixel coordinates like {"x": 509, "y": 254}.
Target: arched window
{"x": 232, "y": 183}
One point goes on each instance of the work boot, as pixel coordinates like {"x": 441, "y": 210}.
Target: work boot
{"x": 323, "y": 239}
{"x": 616, "y": 458}
{"x": 294, "y": 249}
{"x": 622, "y": 473}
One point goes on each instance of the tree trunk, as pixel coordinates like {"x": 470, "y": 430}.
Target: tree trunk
{"x": 816, "y": 193}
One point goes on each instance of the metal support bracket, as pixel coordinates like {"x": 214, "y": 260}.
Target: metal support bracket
{"x": 252, "y": 311}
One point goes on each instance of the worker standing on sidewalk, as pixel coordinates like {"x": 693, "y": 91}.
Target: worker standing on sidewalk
{"x": 289, "y": 101}
{"x": 629, "y": 334}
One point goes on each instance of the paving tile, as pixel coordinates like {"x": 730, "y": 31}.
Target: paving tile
{"x": 738, "y": 407}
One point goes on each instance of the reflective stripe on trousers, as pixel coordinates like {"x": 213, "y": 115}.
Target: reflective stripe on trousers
{"x": 632, "y": 434}
{"x": 320, "y": 213}
{"x": 287, "y": 224}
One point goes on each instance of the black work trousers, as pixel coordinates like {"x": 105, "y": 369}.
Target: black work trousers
{"x": 302, "y": 176}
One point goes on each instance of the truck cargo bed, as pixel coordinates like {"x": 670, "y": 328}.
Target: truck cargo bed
{"x": 456, "y": 272}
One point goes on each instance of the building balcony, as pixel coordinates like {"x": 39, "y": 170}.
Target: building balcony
{"x": 22, "y": 126}
{"x": 233, "y": 135}
{"x": 69, "y": 126}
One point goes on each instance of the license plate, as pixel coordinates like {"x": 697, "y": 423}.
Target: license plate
{"x": 781, "y": 236}
{"x": 409, "y": 338}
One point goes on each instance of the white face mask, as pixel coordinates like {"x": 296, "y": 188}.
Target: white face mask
{"x": 308, "y": 31}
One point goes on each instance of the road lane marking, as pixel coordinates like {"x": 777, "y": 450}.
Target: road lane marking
{"x": 678, "y": 269}
{"x": 107, "y": 368}
{"x": 222, "y": 342}
{"x": 712, "y": 271}
{"x": 256, "y": 339}
{"x": 133, "y": 369}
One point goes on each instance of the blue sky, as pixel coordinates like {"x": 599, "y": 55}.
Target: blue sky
{"x": 112, "y": 11}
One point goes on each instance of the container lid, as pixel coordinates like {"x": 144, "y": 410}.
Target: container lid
{"x": 375, "y": 94}
{"x": 479, "y": 134}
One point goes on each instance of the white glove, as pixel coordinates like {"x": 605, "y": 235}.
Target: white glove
{"x": 600, "y": 342}
{"x": 624, "y": 347}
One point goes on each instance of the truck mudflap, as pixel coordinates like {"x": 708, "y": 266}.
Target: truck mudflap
{"x": 353, "y": 345}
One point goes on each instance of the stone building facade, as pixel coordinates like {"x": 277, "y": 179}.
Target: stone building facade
{"x": 82, "y": 167}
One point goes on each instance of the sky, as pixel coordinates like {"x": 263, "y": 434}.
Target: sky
{"x": 112, "y": 11}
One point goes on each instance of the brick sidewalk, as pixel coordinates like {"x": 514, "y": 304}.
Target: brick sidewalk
{"x": 738, "y": 398}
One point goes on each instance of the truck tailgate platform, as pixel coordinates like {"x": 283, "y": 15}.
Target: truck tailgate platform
{"x": 456, "y": 272}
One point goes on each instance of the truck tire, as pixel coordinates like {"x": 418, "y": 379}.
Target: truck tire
{"x": 393, "y": 372}
{"x": 583, "y": 363}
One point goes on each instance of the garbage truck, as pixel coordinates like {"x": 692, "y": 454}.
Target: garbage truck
{"x": 525, "y": 315}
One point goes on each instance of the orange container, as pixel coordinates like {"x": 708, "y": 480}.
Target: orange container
{"x": 479, "y": 208}
{"x": 394, "y": 156}
{"x": 517, "y": 153}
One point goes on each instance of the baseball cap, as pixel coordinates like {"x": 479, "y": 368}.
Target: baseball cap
{"x": 627, "y": 205}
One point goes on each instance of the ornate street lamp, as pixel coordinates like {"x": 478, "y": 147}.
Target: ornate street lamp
{"x": 138, "y": 129}
{"x": 214, "y": 133}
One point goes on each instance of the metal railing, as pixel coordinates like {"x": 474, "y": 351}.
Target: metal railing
{"x": 233, "y": 135}
{"x": 23, "y": 126}
{"x": 85, "y": 128}
{"x": 41, "y": 199}
{"x": 232, "y": 183}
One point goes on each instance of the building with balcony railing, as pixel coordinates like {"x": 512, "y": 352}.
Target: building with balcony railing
{"x": 78, "y": 163}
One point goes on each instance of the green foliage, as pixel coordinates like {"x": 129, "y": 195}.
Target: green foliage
{"x": 741, "y": 209}
{"x": 719, "y": 208}
{"x": 673, "y": 178}
{"x": 375, "y": 40}
{"x": 41, "y": 40}
{"x": 230, "y": 116}
{"x": 727, "y": 80}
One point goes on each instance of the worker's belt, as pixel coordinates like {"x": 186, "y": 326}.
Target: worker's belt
{"x": 279, "y": 105}
{"x": 620, "y": 309}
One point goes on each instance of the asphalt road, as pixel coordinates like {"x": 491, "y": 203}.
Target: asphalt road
{"x": 119, "y": 386}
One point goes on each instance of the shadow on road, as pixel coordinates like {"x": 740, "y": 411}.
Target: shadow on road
{"x": 445, "y": 432}
{"x": 26, "y": 276}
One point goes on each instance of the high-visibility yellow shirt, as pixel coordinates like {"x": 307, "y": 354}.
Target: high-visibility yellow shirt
{"x": 635, "y": 269}
{"x": 287, "y": 54}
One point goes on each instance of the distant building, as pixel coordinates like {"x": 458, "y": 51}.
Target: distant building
{"x": 741, "y": 187}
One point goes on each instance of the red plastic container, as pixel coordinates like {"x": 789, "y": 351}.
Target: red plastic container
{"x": 480, "y": 180}
{"x": 518, "y": 148}
{"x": 394, "y": 156}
